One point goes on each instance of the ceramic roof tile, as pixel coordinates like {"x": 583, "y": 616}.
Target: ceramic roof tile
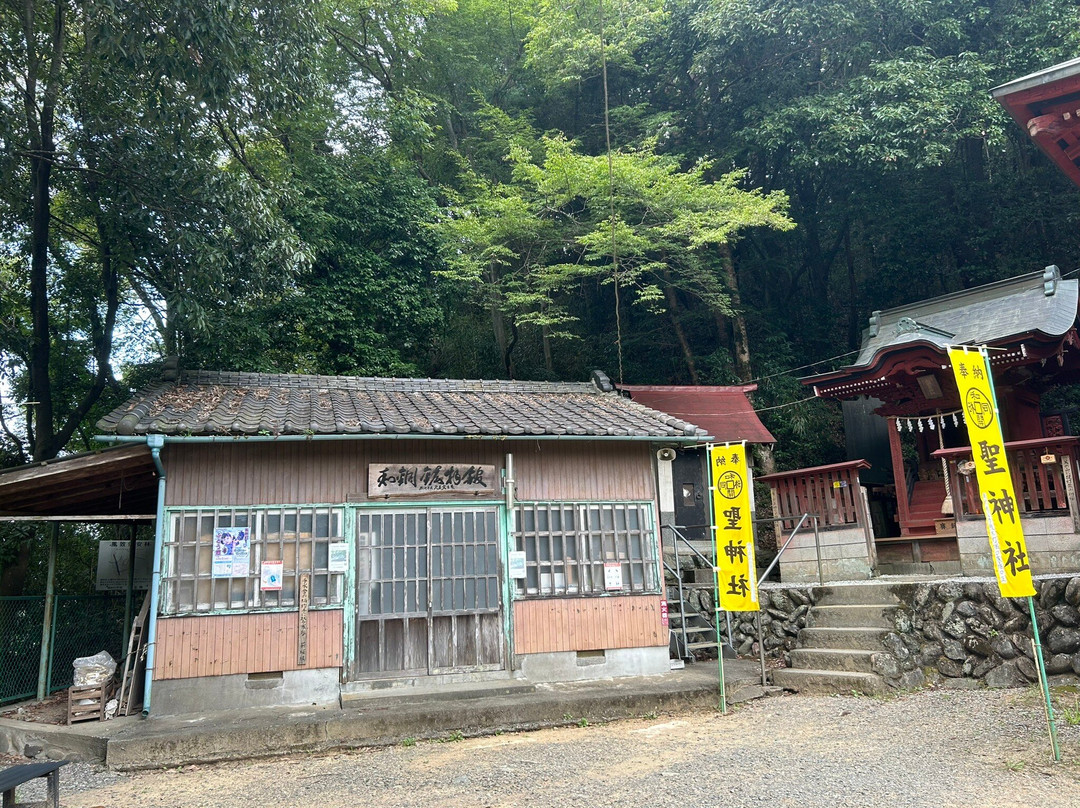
{"x": 229, "y": 403}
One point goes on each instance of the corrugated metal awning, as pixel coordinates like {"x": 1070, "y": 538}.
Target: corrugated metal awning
{"x": 108, "y": 485}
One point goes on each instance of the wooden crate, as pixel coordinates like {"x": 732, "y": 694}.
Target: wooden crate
{"x": 88, "y": 703}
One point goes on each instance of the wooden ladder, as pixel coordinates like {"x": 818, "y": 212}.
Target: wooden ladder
{"x": 134, "y": 669}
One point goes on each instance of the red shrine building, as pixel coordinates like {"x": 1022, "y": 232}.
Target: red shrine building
{"x": 926, "y": 514}
{"x": 908, "y": 500}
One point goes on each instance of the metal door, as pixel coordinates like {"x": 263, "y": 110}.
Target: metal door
{"x": 428, "y": 593}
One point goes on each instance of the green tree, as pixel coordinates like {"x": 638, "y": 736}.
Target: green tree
{"x": 640, "y": 225}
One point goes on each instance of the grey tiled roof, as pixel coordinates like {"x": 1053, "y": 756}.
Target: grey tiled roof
{"x": 221, "y": 403}
{"x": 984, "y": 315}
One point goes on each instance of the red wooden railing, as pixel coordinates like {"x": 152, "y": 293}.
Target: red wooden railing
{"x": 1040, "y": 487}
{"x": 830, "y": 492}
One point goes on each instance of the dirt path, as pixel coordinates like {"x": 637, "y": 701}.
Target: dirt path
{"x": 940, "y": 749}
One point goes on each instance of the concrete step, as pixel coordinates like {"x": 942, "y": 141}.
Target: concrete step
{"x": 864, "y": 639}
{"x": 828, "y": 682}
{"x": 922, "y": 568}
{"x": 853, "y": 615}
{"x": 376, "y": 690}
{"x": 698, "y": 646}
{"x": 833, "y": 659}
{"x": 858, "y": 594}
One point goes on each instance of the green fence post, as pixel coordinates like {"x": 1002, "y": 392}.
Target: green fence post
{"x": 52, "y": 643}
{"x": 47, "y": 622}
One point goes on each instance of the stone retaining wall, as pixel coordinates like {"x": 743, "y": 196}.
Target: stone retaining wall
{"x": 944, "y": 630}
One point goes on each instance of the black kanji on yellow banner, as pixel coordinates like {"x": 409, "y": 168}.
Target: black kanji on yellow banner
{"x": 733, "y": 531}
{"x": 1003, "y": 527}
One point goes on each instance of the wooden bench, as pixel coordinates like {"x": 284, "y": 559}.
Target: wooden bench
{"x": 15, "y": 776}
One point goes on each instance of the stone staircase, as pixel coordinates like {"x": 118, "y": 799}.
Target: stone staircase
{"x": 841, "y": 650}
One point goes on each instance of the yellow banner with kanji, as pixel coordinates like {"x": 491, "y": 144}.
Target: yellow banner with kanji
{"x": 1003, "y": 527}
{"x": 733, "y": 530}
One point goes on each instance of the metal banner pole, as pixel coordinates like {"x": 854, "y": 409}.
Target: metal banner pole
{"x": 720, "y": 650}
{"x": 1042, "y": 679}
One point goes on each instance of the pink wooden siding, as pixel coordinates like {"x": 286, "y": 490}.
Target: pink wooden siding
{"x": 217, "y": 645}
{"x": 336, "y": 471}
{"x": 587, "y": 624}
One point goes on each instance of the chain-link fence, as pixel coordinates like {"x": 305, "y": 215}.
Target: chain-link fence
{"x": 20, "y": 650}
{"x": 82, "y": 626}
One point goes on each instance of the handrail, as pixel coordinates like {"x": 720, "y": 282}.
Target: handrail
{"x": 775, "y": 561}
{"x": 711, "y": 564}
{"x": 678, "y": 535}
{"x": 911, "y": 477}
{"x": 769, "y": 569}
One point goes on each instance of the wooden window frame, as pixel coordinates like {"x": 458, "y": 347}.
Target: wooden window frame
{"x": 565, "y": 557}
{"x": 187, "y": 582}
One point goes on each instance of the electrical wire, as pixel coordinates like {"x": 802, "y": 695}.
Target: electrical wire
{"x": 801, "y": 367}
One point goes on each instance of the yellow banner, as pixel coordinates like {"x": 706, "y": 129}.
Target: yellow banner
{"x": 733, "y": 530}
{"x": 1003, "y": 527}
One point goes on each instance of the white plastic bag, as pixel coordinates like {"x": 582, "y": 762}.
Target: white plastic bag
{"x": 94, "y": 670}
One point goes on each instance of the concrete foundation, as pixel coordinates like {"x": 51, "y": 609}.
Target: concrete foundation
{"x": 310, "y": 688}
{"x": 1052, "y": 542}
{"x": 844, "y": 556}
{"x": 573, "y": 666}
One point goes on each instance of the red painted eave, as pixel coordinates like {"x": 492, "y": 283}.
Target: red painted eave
{"x": 1047, "y": 106}
{"x": 725, "y": 412}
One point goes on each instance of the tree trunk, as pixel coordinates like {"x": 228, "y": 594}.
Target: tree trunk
{"x": 40, "y": 110}
{"x": 741, "y": 348}
{"x": 853, "y": 292}
{"x": 549, "y": 364}
{"x": 673, "y": 313}
{"x": 498, "y": 326}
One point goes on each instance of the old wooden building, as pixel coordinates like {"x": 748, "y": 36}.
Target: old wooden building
{"x": 319, "y": 535}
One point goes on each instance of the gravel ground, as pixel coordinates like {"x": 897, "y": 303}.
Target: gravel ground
{"x": 944, "y": 749}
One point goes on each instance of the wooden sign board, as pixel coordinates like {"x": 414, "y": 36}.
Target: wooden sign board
{"x": 302, "y": 633}
{"x": 421, "y": 479}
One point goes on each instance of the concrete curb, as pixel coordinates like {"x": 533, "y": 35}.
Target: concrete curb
{"x": 181, "y": 740}
{"x": 57, "y": 742}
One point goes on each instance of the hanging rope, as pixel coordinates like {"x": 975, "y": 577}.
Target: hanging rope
{"x": 611, "y": 195}
{"x": 944, "y": 462}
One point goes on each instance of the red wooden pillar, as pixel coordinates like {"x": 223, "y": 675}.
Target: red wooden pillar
{"x": 899, "y": 477}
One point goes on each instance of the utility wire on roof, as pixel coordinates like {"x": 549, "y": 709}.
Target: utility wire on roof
{"x": 727, "y": 413}
{"x": 802, "y": 367}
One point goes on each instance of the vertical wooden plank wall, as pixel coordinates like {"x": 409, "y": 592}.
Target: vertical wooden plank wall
{"x": 587, "y": 624}
{"x": 298, "y": 472}
{"x": 218, "y": 645}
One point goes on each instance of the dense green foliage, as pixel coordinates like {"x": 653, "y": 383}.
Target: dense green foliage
{"x": 424, "y": 188}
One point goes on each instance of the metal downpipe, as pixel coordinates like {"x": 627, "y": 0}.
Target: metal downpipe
{"x": 155, "y": 442}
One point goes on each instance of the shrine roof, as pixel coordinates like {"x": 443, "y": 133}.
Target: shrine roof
{"x": 724, "y": 412}
{"x": 1047, "y": 105}
{"x": 1038, "y": 303}
{"x": 245, "y": 404}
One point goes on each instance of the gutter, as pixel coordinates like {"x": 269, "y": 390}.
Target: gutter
{"x": 155, "y": 443}
{"x": 390, "y": 436}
